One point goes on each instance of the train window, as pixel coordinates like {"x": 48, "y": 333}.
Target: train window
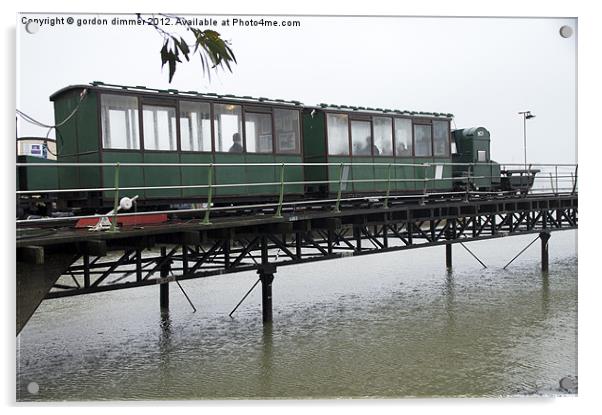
{"x": 383, "y": 136}
{"x": 195, "y": 126}
{"x": 441, "y": 138}
{"x": 338, "y": 134}
{"x": 227, "y": 122}
{"x": 361, "y": 139}
{"x": 287, "y": 131}
{"x": 119, "y": 117}
{"x": 423, "y": 137}
{"x": 258, "y": 130}
{"x": 403, "y": 137}
{"x": 481, "y": 156}
{"x": 159, "y": 127}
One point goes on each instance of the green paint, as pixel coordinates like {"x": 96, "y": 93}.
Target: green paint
{"x": 469, "y": 142}
{"x": 338, "y": 204}
{"x": 130, "y": 176}
{"x": 281, "y": 198}
{"x": 37, "y": 178}
{"x": 388, "y": 186}
{"x": 195, "y": 175}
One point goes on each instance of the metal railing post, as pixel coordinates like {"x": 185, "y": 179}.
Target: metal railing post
{"x": 338, "y": 203}
{"x": 281, "y": 198}
{"x": 209, "y": 195}
{"x": 388, "y": 187}
{"x": 556, "y": 168}
{"x": 116, "y": 200}
{"x": 575, "y": 182}
{"x": 424, "y": 183}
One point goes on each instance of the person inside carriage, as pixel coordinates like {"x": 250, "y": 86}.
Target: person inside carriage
{"x": 236, "y": 146}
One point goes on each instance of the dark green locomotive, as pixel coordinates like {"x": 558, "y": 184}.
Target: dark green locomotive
{"x": 473, "y": 166}
{"x": 389, "y": 150}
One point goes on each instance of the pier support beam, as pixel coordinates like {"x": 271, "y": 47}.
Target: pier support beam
{"x": 448, "y": 255}
{"x": 164, "y": 287}
{"x": 266, "y": 275}
{"x": 448, "y": 247}
{"x": 544, "y": 236}
{"x": 164, "y": 296}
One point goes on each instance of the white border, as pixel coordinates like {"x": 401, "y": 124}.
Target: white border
{"x": 589, "y": 99}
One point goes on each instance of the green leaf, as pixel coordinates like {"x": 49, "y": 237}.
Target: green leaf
{"x": 213, "y": 51}
{"x": 176, "y": 46}
{"x": 172, "y": 68}
{"x": 164, "y": 55}
{"x": 184, "y": 48}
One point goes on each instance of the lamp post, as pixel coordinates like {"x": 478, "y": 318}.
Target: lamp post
{"x": 526, "y": 116}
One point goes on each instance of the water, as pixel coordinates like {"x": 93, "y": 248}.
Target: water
{"x": 386, "y": 325}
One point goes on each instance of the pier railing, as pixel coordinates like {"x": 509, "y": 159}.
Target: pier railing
{"x": 548, "y": 179}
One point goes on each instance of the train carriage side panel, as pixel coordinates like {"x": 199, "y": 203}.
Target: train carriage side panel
{"x": 77, "y": 139}
{"x": 405, "y": 175}
{"x": 383, "y": 174}
{"x": 129, "y": 176}
{"x": 314, "y": 150}
{"x": 66, "y": 139}
{"x": 195, "y": 175}
{"x": 291, "y": 173}
{"x": 442, "y": 157}
{"x": 363, "y": 171}
{"x": 442, "y": 171}
{"x": 162, "y": 175}
{"x": 260, "y": 174}
{"x": 36, "y": 178}
{"x": 88, "y": 141}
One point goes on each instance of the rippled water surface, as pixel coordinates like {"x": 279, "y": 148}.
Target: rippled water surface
{"x": 386, "y": 325}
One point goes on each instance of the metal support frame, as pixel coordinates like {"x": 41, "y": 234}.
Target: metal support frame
{"x": 189, "y": 249}
{"x": 242, "y": 246}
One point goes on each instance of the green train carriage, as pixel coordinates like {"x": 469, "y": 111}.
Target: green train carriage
{"x": 148, "y": 126}
{"x": 416, "y": 145}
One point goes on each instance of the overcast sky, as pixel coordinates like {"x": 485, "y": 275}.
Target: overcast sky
{"x": 483, "y": 70}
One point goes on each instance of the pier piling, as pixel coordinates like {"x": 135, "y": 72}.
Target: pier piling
{"x": 266, "y": 275}
{"x": 448, "y": 255}
{"x": 448, "y": 248}
{"x": 164, "y": 287}
{"x": 544, "y": 236}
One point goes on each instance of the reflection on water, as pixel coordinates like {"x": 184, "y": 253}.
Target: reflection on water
{"x": 388, "y": 325}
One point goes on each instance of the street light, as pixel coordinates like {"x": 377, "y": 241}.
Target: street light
{"x": 526, "y": 116}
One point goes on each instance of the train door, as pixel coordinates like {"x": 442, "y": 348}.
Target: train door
{"x": 196, "y": 147}
{"x": 362, "y": 150}
{"x": 160, "y": 141}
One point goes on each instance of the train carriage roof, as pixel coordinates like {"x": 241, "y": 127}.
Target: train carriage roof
{"x": 172, "y": 93}
{"x": 101, "y": 86}
{"x": 380, "y": 111}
